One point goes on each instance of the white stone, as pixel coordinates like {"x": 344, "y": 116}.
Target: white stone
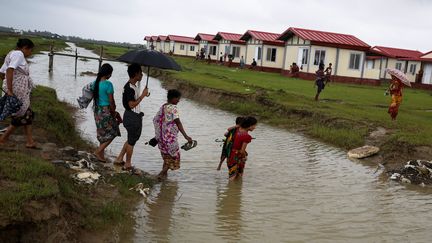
{"x": 363, "y": 152}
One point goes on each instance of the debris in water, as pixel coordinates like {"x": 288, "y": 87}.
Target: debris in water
{"x": 144, "y": 191}
{"x": 418, "y": 172}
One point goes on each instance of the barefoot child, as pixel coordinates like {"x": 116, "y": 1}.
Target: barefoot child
{"x": 238, "y": 154}
{"x": 229, "y": 138}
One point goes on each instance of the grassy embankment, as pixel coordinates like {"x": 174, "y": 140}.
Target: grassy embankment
{"x": 343, "y": 117}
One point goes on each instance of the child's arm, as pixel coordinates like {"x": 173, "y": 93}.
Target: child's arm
{"x": 243, "y": 150}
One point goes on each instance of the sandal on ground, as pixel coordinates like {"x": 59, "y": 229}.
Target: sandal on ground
{"x": 189, "y": 145}
{"x": 119, "y": 162}
{"x": 33, "y": 146}
{"x": 99, "y": 159}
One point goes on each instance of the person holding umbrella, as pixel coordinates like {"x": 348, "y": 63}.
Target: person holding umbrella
{"x": 397, "y": 83}
{"x": 132, "y": 118}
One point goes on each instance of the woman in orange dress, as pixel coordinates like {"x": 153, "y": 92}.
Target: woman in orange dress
{"x": 395, "y": 90}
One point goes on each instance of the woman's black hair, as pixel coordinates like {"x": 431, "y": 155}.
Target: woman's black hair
{"x": 173, "y": 93}
{"x": 248, "y": 122}
{"x": 24, "y": 43}
{"x": 105, "y": 70}
{"x": 133, "y": 69}
{"x": 239, "y": 120}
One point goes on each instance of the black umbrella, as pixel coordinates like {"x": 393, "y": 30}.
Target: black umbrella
{"x": 149, "y": 58}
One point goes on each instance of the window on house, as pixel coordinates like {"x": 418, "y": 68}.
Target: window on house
{"x": 271, "y": 54}
{"x": 192, "y": 48}
{"x": 319, "y": 57}
{"x": 305, "y": 53}
{"x": 182, "y": 47}
{"x": 236, "y": 51}
{"x": 354, "y": 62}
{"x": 398, "y": 66}
{"x": 413, "y": 68}
{"x": 370, "y": 64}
{"x": 213, "y": 50}
{"x": 259, "y": 53}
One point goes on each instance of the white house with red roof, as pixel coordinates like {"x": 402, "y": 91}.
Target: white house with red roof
{"x": 381, "y": 57}
{"x": 230, "y": 44}
{"x": 207, "y": 43}
{"x": 308, "y": 48}
{"x": 182, "y": 45}
{"x": 426, "y": 59}
{"x": 161, "y": 44}
{"x": 265, "y": 48}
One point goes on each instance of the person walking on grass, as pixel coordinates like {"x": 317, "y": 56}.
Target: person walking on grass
{"x": 18, "y": 83}
{"x": 132, "y": 117}
{"x": 238, "y": 155}
{"x": 167, "y": 124}
{"x": 328, "y": 72}
{"x": 320, "y": 80}
{"x": 106, "y": 117}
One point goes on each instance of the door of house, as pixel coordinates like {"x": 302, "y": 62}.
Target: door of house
{"x": 302, "y": 57}
{"x": 427, "y": 74}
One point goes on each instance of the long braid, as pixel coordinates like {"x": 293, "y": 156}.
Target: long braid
{"x": 104, "y": 71}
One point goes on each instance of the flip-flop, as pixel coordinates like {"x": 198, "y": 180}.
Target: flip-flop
{"x": 119, "y": 162}
{"x": 100, "y": 160}
{"x": 33, "y": 147}
{"x": 189, "y": 145}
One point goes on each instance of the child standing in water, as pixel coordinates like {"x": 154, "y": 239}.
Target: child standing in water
{"x": 238, "y": 154}
{"x": 229, "y": 139}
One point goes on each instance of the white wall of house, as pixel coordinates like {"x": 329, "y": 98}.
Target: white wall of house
{"x": 427, "y": 73}
{"x": 266, "y": 59}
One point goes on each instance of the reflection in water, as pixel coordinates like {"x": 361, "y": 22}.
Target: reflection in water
{"x": 160, "y": 210}
{"x": 228, "y": 211}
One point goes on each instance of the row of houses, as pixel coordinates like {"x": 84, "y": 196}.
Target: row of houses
{"x": 352, "y": 59}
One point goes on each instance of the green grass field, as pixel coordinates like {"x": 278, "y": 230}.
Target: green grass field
{"x": 110, "y": 51}
{"x": 344, "y": 115}
{"x": 8, "y": 43}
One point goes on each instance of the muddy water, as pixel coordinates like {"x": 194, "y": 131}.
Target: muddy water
{"x": 294, "y": 189}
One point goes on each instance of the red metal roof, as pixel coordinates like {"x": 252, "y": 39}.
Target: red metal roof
{"x": 205, "y": 37}
{"x": 325, "y": 38}
{"x": 182, "y": 39}
{"x": 265, "y": 37}
{"x": 161, "y": 38}
{"x": 153, "y": 37}
{"x": 396, "y": 52}
{"x": 235, "y": 38}
{"x": 147, "y": 38}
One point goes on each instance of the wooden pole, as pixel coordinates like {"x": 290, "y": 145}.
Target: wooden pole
{"x": 76, "y": 61}
{"x": 51, "y": 59}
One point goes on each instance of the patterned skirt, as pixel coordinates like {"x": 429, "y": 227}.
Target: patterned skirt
{"x": 106, "y": 125}
{"x": 173, "y": 163}
{"x": 236, "y": 164}
{"x": 394, "y": 106}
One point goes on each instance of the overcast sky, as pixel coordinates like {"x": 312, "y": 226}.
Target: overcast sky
{"x": 394, "y": 23}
